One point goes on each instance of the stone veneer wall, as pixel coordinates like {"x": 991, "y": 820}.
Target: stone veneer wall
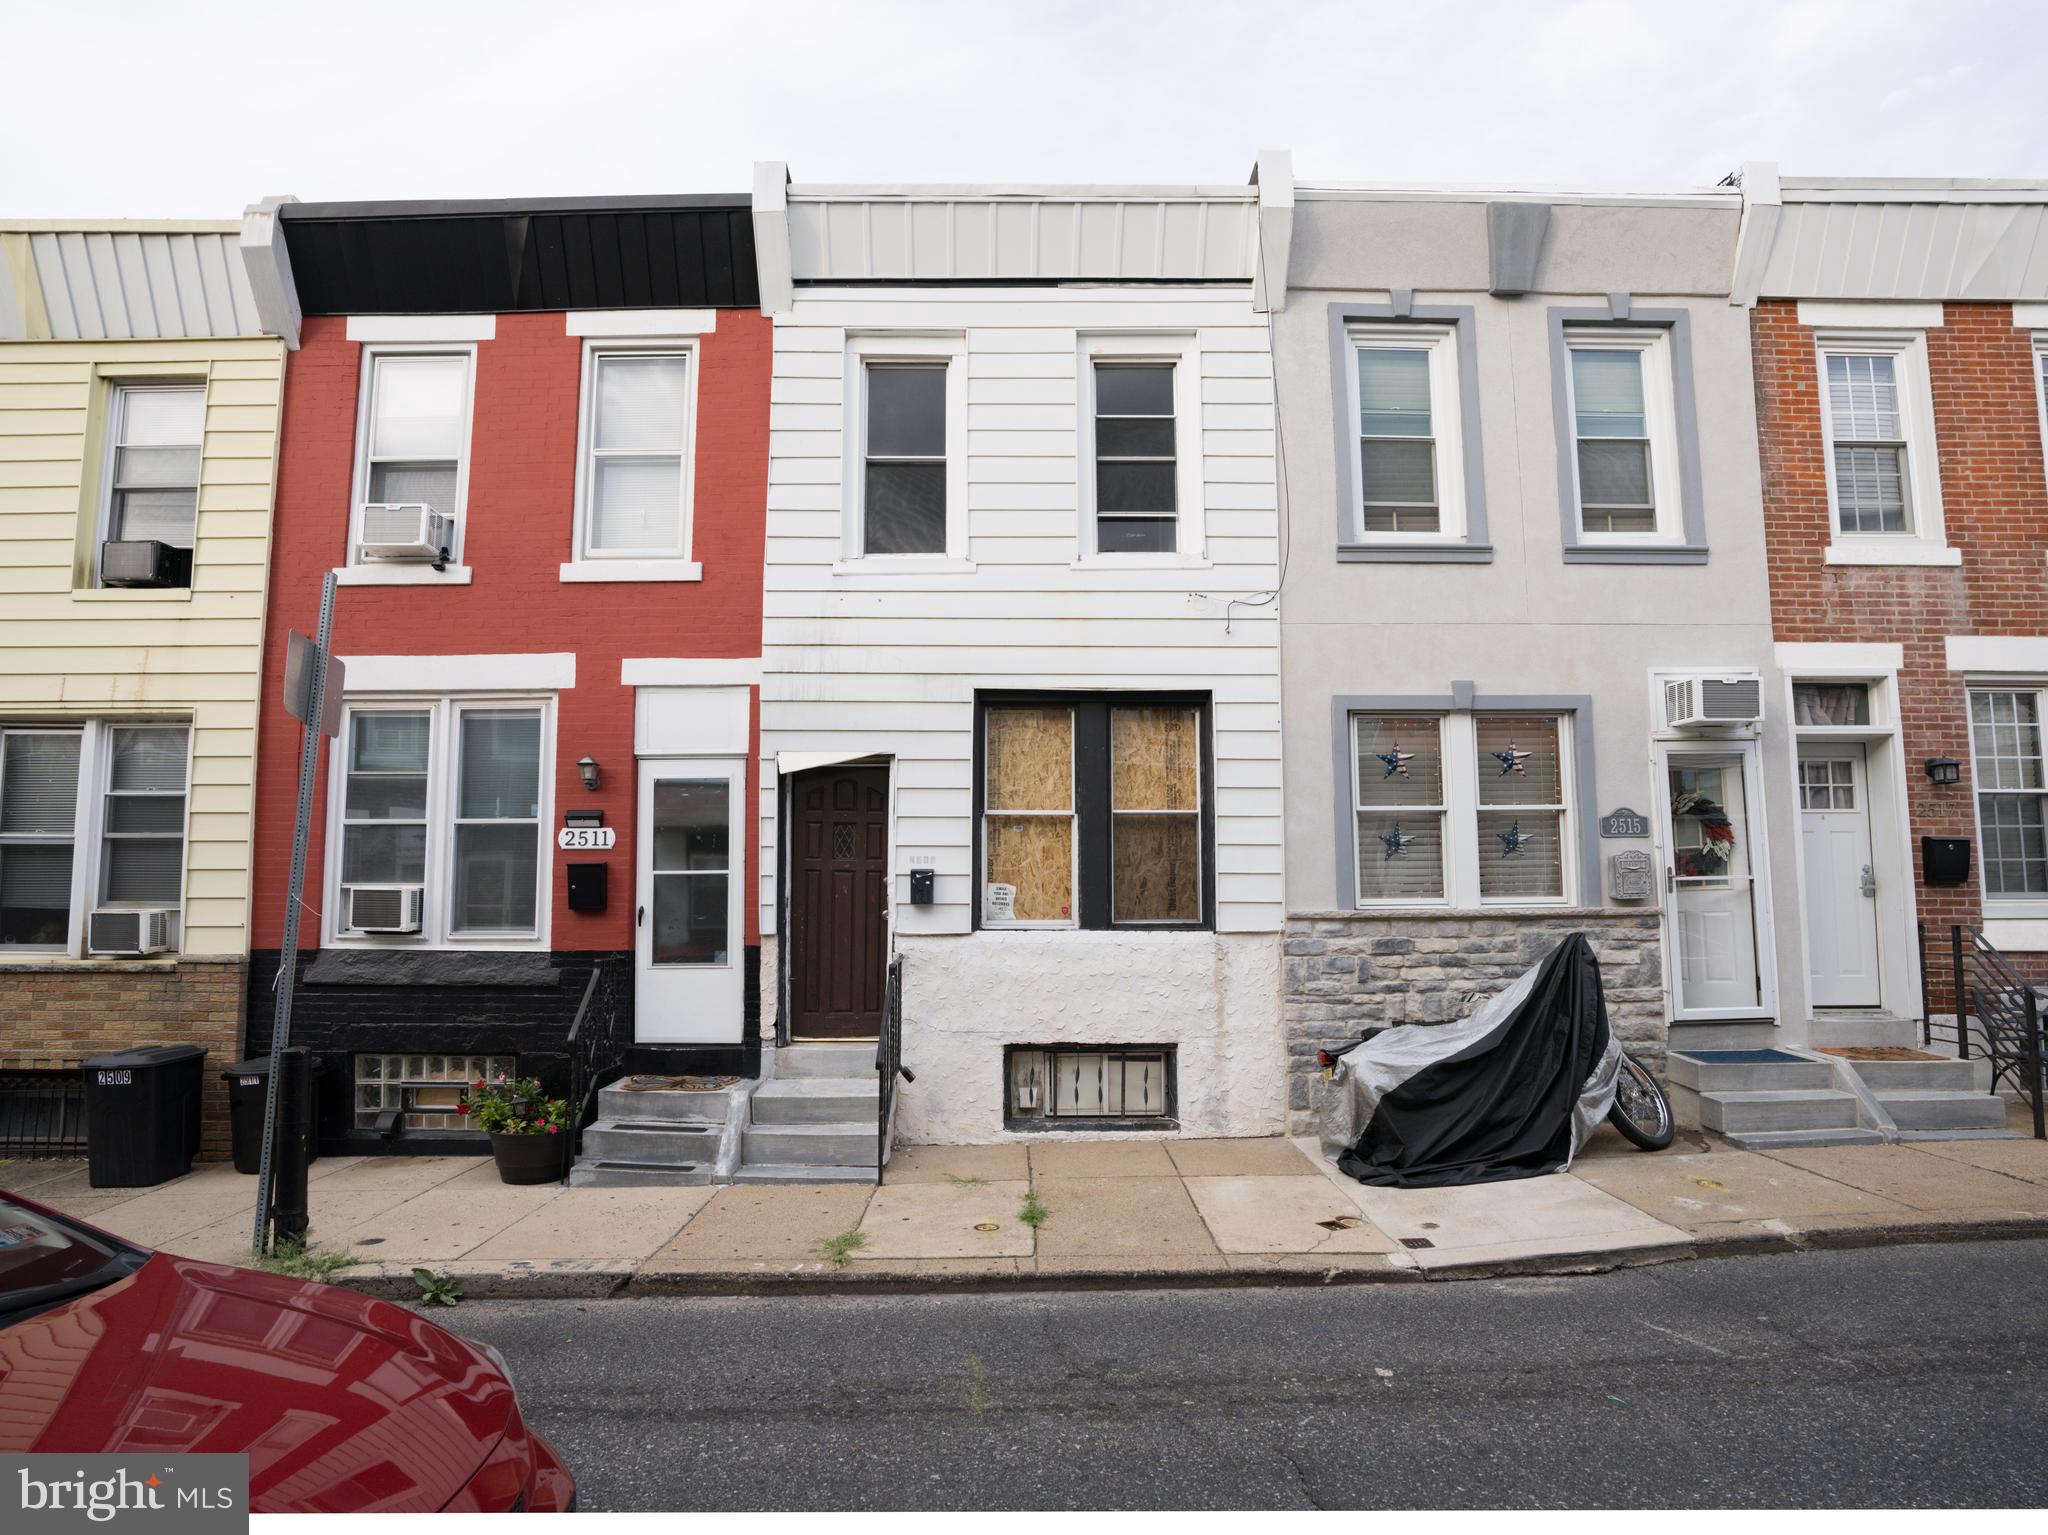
{"x": 1348, "y": 971}
{"x": 54, "y": 1016}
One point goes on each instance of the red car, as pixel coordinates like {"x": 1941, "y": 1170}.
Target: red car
{"x": 343, "y": 1404}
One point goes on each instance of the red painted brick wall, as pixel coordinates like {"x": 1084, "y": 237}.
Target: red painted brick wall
{"x": 1994, "y": 493}
{"x": 520, "y": 525}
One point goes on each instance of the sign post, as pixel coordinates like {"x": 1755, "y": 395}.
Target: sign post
{"x": 312, "y": 695}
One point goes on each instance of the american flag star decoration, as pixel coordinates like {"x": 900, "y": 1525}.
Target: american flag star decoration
{"x": 1513, "y": 840}
{"x": 1395, "y": 841}
{"x": 1513, "y": 760}
{"x": 1395, "y": 761}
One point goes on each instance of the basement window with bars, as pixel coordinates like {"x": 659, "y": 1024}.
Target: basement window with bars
{"x": 1093, "y": 1087}
{"x": 429, "y": 1091}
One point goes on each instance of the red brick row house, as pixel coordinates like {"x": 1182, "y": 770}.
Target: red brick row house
{"x": 531, "y": 438}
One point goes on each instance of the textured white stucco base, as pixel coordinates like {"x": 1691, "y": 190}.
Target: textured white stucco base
{"x": 1216, "y": 996}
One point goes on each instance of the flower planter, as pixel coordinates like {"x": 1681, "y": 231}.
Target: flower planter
{"x": 528, "y": 1158}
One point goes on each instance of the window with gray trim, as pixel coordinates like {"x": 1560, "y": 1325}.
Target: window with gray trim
{"x": 1624, "y": 440}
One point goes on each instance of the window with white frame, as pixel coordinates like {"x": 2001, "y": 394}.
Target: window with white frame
{"x": 1404, "y": 387}
{"x": 1137, "y": 502}
{"x": 638, "y": 447}
{"x": 1624, "y": 435}
{"x": 903, "y": 479}
{"x": 1461, "y": 809}
{"x": 2041, "y": 382}
{"x": 2012, "y": 819}
{"x": 154, "y": 433}
{"x": 1877, "y": 414}
{"x": 91, "y": 815}
{"x": 446, "y": 797}
{"x": 413, "y": 441}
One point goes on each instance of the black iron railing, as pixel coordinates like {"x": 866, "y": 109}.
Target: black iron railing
{"x": 597, "y": 1043}
{"x": 1997, "y": 1011}
{"x": 42, "y": 1113}
{"x": 889, "y": 1060}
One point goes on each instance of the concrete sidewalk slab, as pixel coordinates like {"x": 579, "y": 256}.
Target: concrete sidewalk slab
{"x": 413, "y": 1173}
{"x": 441, "y": 1223}
{"x": 622, "y": 1223}
{"x": 1496, "y": 1222}
{"x": 1120, "y": 1217}
{"x": 762, "y": 1227}
{"x": 1284, "y": 1215}
{"x": 1100, "y": 1159}
{"x": 1714, "y": 1189}
{"x": 1911, "y": 1176}
{"x": 944, "y": 1164}
{"x": 158, "y": 1220}
{"x": 940, "y": 1220}
{"x": 1267, "y": 1158}
{"x": 2016, "y": 1159}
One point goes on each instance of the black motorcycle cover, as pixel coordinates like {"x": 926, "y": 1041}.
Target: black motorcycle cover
{"x": 1511, "y": 1091}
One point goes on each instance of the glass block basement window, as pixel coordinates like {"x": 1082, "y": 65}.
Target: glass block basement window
{"x": 428, "y": 1088}
{"x": 1114, "y": 1082}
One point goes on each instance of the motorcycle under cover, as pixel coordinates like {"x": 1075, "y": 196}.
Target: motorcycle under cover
{"x": 1511, "y": 1091}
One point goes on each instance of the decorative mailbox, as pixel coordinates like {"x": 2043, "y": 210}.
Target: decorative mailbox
{"x": 1628, "y": 875}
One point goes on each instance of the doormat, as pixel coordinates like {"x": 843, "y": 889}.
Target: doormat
{"x": 1878, "y": 1053}
{"x": 1738, "y": 1057}
{"x": 656, "y": 1084}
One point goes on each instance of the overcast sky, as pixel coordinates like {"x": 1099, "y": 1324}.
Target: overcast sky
{"x": 169, "y": 108}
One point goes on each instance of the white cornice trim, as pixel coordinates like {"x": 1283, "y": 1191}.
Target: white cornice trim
{"x": 460, "y": 674}
{"x": 642, "y": 322}
{"x": 422, "y": 327}
{"x": 2023, "y": 653}
{"x": 1827, "y": 314}
{"x": 1873, "y": 657}
{"x": 689, "y": 671}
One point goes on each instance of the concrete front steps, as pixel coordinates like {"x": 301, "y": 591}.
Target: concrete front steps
{"x": 1937, "y": 1096}
{"x": 658, "y": 1139}
{"x": 1759, "y": 1098}
{"x": 813, "y": 1120}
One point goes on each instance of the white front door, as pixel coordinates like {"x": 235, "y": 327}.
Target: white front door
{"x": 1841, "y": 894}
{"x": 690, "y": 877}
{"x": 1711, "y": 887}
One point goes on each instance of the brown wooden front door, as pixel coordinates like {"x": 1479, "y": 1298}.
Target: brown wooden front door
{"x": 838, "y": 902}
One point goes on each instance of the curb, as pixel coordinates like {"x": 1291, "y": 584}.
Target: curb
{"x": 577, "y": 1279}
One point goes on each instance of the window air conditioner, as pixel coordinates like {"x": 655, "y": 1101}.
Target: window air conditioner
{"x": 1692, "y": 702}
{"x": 406, "y": 530}
{"x": 386, "y": 909}
{"x": 130, "y": 931}
{"x": 144, "y": 562}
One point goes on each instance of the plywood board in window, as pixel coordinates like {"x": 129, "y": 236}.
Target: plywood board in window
{"x": 1030, "y": 755}
{"x": 1157, "y": 869}
{"x": 1154, "y": 758}
{"x": 1035, "y": 853}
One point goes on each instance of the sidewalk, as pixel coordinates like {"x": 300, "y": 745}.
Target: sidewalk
{"x": 1115, "y": 1213}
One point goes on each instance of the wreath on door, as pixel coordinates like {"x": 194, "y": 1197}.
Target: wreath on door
{"x": 1717, "y": 836}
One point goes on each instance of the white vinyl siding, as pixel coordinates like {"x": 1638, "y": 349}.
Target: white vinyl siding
{"x": 890, "y": 661}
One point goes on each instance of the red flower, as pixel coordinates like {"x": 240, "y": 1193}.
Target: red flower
{"x": 462, "y": 1108}
{"x": 554, "y": 1129}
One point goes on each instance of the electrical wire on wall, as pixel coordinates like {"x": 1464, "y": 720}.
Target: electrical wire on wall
{"x": 1283, "y": 500}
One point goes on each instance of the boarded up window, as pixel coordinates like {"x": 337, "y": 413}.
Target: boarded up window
{"x": 1155, "y": 800}
{"x": 1029, "y": 826}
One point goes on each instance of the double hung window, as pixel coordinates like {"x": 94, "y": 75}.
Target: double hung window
{"x": 904, "y": 475}
{"x": 1624, "y": 435}
{"x": 1867, "y": 443}
{"x": 154, "y": 438}
{"x": 2012, "y": 793}
{"x": 1137, "y": 501}
{"x": 414, "y": 442}
{"x": 1403, "y": 393}
{"x": 637, "y": 439}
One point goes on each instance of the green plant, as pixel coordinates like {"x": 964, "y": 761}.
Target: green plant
{"x": 965, "y": 1180}
{"x": 436, "y": 1289}
{"x": 1033, "y": 1214}
{"x": 510, "y": 1106}
{"x": 295, "y": 1260}
{"x": 837, "y": 1250}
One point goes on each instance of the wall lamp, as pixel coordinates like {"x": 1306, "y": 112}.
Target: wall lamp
{"x": 587, "y": 766}
{"x": 1944, "y": 770}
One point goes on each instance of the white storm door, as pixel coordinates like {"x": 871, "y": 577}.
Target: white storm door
{"x": 690, "y": 875}
{"x": 1711, "y": 885}
{"x": 1841, "y": 892}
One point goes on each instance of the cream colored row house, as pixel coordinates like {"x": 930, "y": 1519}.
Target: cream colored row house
{"x": 139, "y": 396}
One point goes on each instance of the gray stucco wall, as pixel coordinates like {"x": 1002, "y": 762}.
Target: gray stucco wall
{"x": 1526, "y": 622}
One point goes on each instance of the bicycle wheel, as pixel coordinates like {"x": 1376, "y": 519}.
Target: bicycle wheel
{"x": 1641, "y": 1111}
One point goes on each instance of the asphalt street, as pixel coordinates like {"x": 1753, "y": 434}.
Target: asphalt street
{"x": 1911, "y": 1376}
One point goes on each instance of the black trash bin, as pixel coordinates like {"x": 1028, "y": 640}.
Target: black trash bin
{"x": 248, "y": 1082}
{"x": 142, "y": 1115}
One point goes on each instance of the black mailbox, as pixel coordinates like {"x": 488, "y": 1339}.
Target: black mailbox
{"x": 921, "y": 887}
{"x": 587, "y": 886}
{"x": 1945, "y": 860}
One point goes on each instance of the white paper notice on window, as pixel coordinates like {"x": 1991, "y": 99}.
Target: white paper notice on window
{"x": 1002, "y": 902}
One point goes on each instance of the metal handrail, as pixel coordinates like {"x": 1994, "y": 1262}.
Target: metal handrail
{"x": 1994, "y": 996}
{"x": 889, "y": 1060}
{"x": 596, "y": 1045}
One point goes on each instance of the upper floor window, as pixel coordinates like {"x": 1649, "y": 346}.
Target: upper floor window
{"x": 440, "y": 819}
{"x": 903, "y": 486}
{"x": 1462, "y": 809}
{"x": 1877, "y": 418}
{"x": 152, "y": 482}
{"x": 1136, "y": 505}
{"x": 637, "y": 444}
{"x": 1624, "y": 435}
{"x": 413, "y": 441}
{"x": 1410, "y": 460}
{"x": 91, "y": 816}
{"x": 1867, "y": 442}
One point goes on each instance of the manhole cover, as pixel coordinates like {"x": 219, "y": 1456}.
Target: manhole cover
{"x": 1341, "y": 1223}
{"x": 987, "y": 1226}
{"x": 1417, "y": 1242}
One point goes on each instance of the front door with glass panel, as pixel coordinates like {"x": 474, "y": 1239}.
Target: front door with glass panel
{"x": 688, "y": 933}
{"x": 1711, "y": 886}
{"x": 1841, "y": 890}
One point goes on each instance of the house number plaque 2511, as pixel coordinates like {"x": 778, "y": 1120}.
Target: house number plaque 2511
{"x": 586, "y": 839}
